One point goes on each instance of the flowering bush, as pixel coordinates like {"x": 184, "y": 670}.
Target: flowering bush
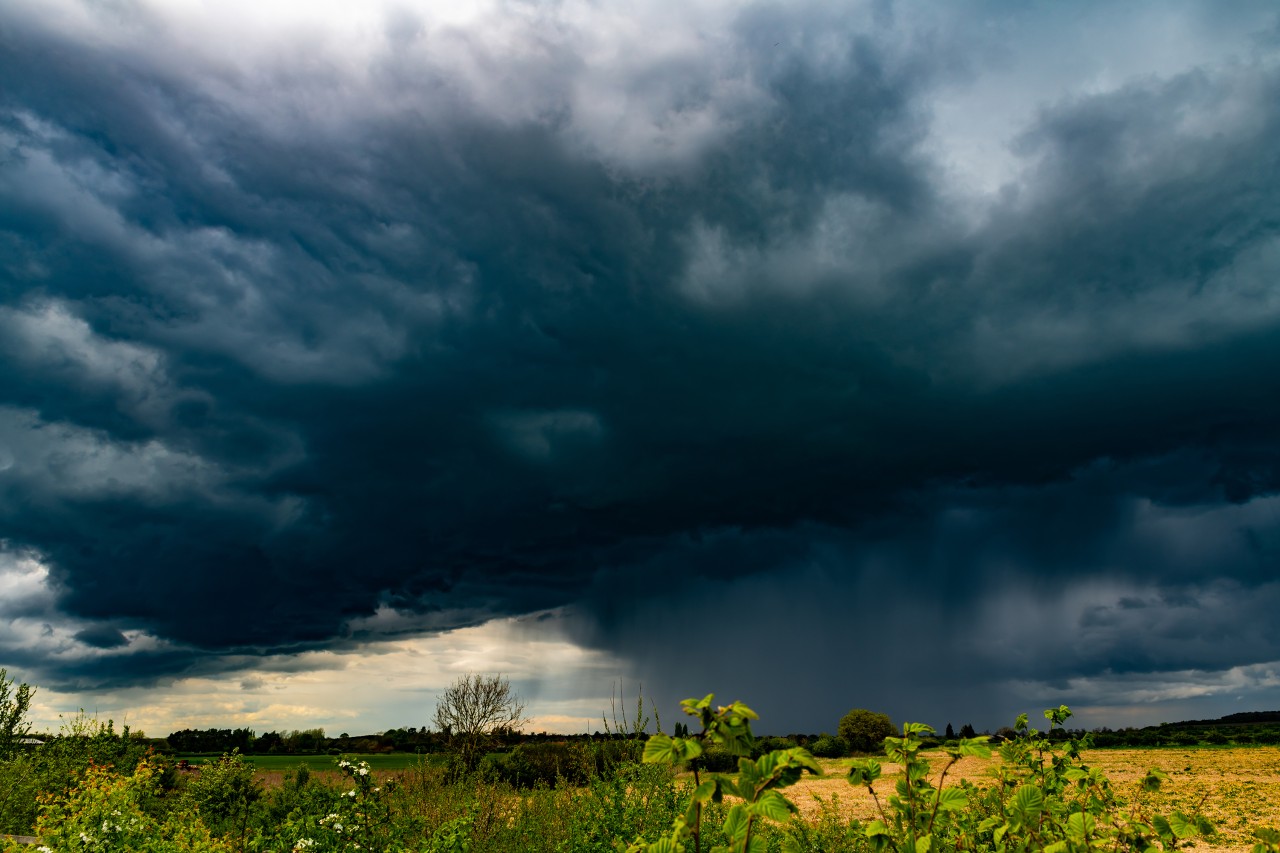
{"x": 357, "y": 818}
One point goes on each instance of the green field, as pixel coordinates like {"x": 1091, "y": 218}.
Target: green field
{"x": 282, "y": 763}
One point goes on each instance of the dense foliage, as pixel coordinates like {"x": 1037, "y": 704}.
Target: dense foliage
{"x": 717, "y": 789}
{"x": 865, "y": 730}
{"x": 15, "y": 700}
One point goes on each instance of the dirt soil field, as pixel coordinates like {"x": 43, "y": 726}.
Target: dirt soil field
{"x": 1238, "y": 789}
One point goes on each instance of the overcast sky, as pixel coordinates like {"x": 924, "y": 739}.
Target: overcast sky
{"x": 917, "y": 356}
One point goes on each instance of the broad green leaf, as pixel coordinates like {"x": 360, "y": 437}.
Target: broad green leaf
{"x": 1056, "y": 847}
{"x": 772, "y": 805}
{"x": 736, "y": 823}
{"x": 704, "y": 792}
{"x": 924, "y": 843}
{"x": 751, "y": 772}
{"x": 1074, "y": 774}
{"x": 729, "y": 785}
{"x": 976, "y": 746}
{"x": 1057, "y": 716}
{"x": 1026, "y": 803}
{"x": 864, "y": 772}
{"x": 909, "y": 729}
{"x": 1080, "y": 826}
{"x": 693, "y": 706}
{"x": 1183, "y": 826}
{"x": 1205, "y": 826}
{"x": 1162, "y": 827}
{"x": 876, "y": 827}
{"x": 660, "y": 749}
{"x": 803, "y": 758}
{"x": 689, "y": 748}
{"x": 952, "y": 799}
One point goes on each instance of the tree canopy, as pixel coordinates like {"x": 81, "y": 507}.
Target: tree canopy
{"x": 865, "y": 730}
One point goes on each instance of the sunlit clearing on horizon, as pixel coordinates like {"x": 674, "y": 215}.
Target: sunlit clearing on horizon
{"x": 367, "y": 688}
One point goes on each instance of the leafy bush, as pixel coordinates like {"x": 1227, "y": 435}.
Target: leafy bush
{"x": 19, "y": 788}
{"x": 532, "y": 764}
{"x": 716, "y": 759}
{"x": 757, "y": 784}
{"x": 55, "y": 766}
{"x": 225, "y": 792}
{"x": 105, "y": 813}
{"x": 865, "y": 731}
{"x": 826, "y": 746}
{"x": 610, "y": 755}
{"x": 769, "y": 744}
{"x": 636, "y": 801}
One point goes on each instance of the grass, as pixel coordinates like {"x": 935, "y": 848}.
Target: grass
{"x": 1238, "y": 789}
{"x": 388, "y": 761}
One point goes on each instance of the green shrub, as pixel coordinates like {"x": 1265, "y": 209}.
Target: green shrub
{"x": 826, "y": 746}
{"x": 225, "y": 792}
{"x": 19, "y": 788}
{"x": 865, "y": 731}
{"x": 611, "y": 754}
{"x": 533, "y": 764}
{"x": 716, "y": 759}
{"x": 104, "y": 813}
{"x": 757, "y": 784}
{"x": 635, "y": 801}
{"x": 55, "y": 766}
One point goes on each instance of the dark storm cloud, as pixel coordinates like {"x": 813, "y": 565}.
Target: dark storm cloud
{"x": 277, "y": 353}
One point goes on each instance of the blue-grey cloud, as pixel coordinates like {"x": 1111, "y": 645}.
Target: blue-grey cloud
{"x": 481, "y": 321}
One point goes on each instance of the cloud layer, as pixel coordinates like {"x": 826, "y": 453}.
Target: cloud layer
{"x": 944, "y": 330}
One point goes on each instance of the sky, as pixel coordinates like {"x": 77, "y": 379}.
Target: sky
{"x": 916, "y": 356}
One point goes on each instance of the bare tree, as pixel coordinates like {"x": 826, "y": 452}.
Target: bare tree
{"x": 475, "y": 709}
